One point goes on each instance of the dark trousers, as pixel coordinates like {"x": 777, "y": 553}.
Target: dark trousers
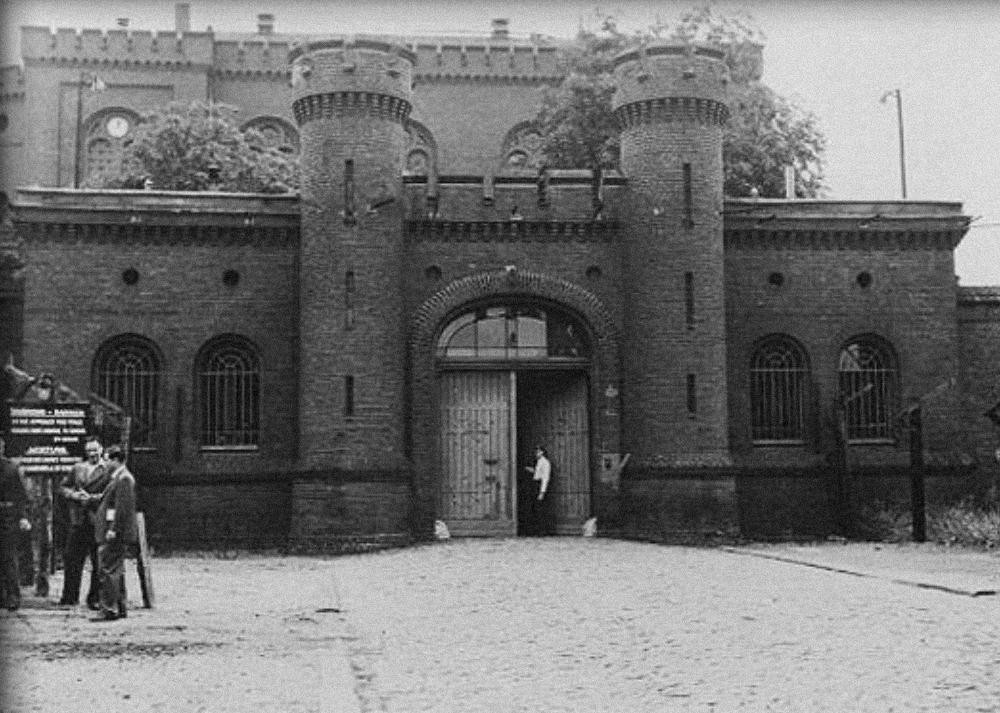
{"x": 10, "y": 583}
{"x": 111, "y": 561}
{"x": 79, "y": 546}
{"x": 541, "y": 511}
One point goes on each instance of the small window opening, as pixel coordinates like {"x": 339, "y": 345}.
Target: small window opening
{"x": 688, "y": 197}
{"x": 348, "y": 396}
{"x": 349, "y": 212}
{"x": 689, "y": 299}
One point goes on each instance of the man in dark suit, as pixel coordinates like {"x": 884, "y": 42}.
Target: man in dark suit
{"x": 115, "y": 530}
{"x": 82, "y": 489}
{"x": 13, "y": 521}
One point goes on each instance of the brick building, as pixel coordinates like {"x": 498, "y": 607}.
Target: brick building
{"x": 344, "y": 367}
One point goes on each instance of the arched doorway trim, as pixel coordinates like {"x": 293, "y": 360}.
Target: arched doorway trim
{"x": 504, "y": 286}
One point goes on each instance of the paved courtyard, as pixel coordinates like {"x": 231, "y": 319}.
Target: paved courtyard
{"x": 559, "y": 624}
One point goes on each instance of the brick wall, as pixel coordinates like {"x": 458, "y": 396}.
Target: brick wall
{"x": 979, "y": 337}
{"x": 78, "y": 300}
{"x": 910, "y": 303}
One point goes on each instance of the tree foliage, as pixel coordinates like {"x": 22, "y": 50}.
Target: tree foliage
{"x": 200, "y": 147}
{"x": 765, "y": 133}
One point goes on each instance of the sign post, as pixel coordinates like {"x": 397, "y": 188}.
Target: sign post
{"x": 46, "y": 439}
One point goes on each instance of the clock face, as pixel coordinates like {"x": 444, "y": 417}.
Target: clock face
{"x": 117, "y": 126}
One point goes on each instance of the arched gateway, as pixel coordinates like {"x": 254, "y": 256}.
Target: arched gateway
{"x": 511, "y": 367}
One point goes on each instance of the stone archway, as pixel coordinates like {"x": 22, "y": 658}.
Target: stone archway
{"x": 514, "y": 287}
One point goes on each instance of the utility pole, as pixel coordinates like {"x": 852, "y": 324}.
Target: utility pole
{"x": 898, "y": 95}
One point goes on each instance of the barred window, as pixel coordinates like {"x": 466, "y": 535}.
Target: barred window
{"x": 127, "y": 372}
{"x": 779, "y": 378}
{"x": 867, "y": 376}
{"x": 228, "y": 387}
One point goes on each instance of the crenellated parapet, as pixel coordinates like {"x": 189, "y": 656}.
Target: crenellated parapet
{"x": 334, "y": 78}
{"x": 252, "y": 58}
{"x": 116, "y": 47}
{"x": 669, "y": 82}
{"x": 486, "y": 61}
{"x": 11, "y": 83}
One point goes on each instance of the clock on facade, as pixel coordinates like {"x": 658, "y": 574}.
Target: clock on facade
{"x": 117, "y": 126}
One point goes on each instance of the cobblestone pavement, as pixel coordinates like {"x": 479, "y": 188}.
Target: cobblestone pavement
{"x": 598, "y": 625}
{"x": 540, "y": 625}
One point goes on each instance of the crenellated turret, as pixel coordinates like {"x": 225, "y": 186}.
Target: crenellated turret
{"x": 671, "y": 107}
{"x": 351, "y": 100}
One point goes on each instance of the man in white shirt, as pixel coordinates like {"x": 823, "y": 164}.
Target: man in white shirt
{"x": 541, "y": 504}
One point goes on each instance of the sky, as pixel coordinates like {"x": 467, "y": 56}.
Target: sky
{"x": 835, "y": 59}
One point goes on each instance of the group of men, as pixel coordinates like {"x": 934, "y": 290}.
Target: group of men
{"x": 101, "y": 517}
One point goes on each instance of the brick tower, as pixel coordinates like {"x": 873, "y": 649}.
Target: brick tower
{"x": 351, "y": 100}
{"x": 671, "y": 107}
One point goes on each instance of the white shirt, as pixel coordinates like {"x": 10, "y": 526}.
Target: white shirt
{"x": 542, "y": 472}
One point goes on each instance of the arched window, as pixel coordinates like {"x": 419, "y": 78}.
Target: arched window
{"x": 127, "y": 372}
{"x": 779, "y": 382}
{"x": 274, "y": 132}
{"x": 522, "y": 147}
{"x": 106, "y": 133}
{"x": 417, "y": 162}
{"x": 421, "y": 150}
{"x": 228, "y": 388}
{"x": 867, "y": 376}
{"x": 506, "y": 332}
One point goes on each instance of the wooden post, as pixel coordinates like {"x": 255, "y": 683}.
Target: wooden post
{"x": 917, "y": 495}
{"x": 844, "y": 520}
{"x": 143, "y": 564}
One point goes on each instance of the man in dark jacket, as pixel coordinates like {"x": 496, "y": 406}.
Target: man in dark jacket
{"x": 115, "y": 530}
{"x": 82, "y": 489}
{"x": 13, "y": 520}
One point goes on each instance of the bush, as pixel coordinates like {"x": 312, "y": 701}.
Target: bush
{"x": 971, "y": 522}
{"x": 967, "y": 523}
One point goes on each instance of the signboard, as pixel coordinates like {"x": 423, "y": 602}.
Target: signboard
{"x": 47, "y": 439}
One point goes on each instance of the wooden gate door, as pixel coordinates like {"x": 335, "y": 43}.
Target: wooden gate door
{"x": 552, "y": 412}
{"x": 476, "y": 446}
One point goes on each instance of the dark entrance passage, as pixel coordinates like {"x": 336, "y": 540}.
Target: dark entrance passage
{"x": 552, "y": 412}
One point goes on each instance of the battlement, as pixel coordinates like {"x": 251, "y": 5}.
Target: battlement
{"x": 11, "y": 82}
{"x": 333, "y": 76}
{"x": 559, "y": 196}
{"x": 670, "y": 71}
{"x": 252, "y": 56}
{"x": 116, "y": 46}
{"x": 483, "y": 60}
{"x": 475, "y": 58}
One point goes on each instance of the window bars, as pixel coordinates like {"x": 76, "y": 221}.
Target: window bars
{"x": 778, "y": 385}
{"x": 229, "y": 395}
{"x": 128, "y": 374}
{"x": 867, "y": 376}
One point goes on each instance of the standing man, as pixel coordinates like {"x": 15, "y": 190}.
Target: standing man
{"x": 13, "y": 521}
{"x": 115, "y": 530}
{"x": 541, "y": 505}
{"x": 82, "y": 489}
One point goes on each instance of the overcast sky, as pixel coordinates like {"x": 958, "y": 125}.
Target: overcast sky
{"x": 836, "y": 58}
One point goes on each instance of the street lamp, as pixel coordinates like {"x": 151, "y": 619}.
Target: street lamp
{"x": 899, "y": 114}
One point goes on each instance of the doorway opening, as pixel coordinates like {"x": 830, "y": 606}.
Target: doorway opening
{"x": 511, "y": 378}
